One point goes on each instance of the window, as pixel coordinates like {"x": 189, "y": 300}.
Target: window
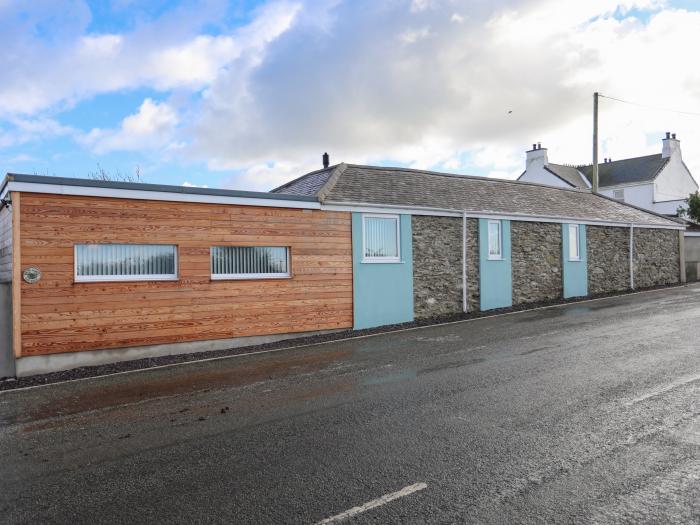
{"x": 495, "y": 242}
{"x": 619, "y": 195}
{"x": 574, "y": 236}
{"x": 249, "y": 262}
{"x": 381, "y": 238}
{"x": 125, "y": 262}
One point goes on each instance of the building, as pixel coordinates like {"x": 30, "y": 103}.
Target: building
{"x": 107, "y": 271}
{"x": 659, "y": 183}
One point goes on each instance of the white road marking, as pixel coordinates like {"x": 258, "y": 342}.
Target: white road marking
{"x": 662, "y": 390}
{"x": 406, "y": 491}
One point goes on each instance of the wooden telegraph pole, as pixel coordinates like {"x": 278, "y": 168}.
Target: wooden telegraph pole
{"x": 595, "y": 143}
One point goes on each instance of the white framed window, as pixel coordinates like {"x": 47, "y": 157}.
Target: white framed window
{"x": 495, "y": 240}
{"x": 125, "y": 262}
{"x": 574, "y": 242}
{"x": 619, "y": 195}
{"x": 249, "y": 262}
{"x": 381, "y": 238}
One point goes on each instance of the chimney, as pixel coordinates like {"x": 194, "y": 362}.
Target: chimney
{"x": 326, "y": 160}
{"x": 671, "y": 146}
{"x": 536, "y": 157}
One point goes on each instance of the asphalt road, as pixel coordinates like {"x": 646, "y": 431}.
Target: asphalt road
{"x": 586, "y": 413}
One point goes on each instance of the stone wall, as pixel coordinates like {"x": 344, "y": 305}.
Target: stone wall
{"x": 437, "y": 265}
{"x": 536, "y": 251}
{"x": 656, "y": 257}
{"x": 608, "y": 259}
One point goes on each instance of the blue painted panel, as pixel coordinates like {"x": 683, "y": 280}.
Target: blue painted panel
{"x": 495, "y": 276}
{"x": 382, "y": 292}
{"x": 575, "y": 273}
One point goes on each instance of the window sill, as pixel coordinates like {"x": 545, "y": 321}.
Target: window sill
{"x": 149, "y": 279}
{"x": 496, "y": 259}
{"x": 251, "y": 277}
{"x": 381, "y": 261}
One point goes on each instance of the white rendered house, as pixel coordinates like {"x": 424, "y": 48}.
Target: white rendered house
{"x": 659, "y": 183}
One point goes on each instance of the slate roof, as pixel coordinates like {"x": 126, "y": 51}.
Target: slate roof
{"x": 308, "y": 185}
{"x": 355, "y": 184}
{"x": 568, "y": 174}
{"x": 637, "y": 169}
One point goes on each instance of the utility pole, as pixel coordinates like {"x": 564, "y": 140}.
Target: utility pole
{"x": 595, "y": 143}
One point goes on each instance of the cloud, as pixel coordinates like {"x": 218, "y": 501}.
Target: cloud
{"x": 416, "y": 88}
{"x": 22, "y": 130}
{"x": 152, "y": 127}
{"x": 188, "y": 184}
{"x": 443, "y": 84}
{"x": 50, "y": 59}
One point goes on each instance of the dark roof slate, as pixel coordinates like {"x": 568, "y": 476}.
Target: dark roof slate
{"x": 424, "y": 189}
{"x": 308, "y": 185}
{"x": 568, "y": 174}
{"x": 637, "y": 169}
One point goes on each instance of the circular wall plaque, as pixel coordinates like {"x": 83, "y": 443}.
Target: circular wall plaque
{"x": 31, "y": 274}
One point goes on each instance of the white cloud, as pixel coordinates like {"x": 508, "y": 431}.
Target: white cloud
{"x": 23, "y": 130}
{"x": 508, "y": 74}
{"x": 61, "y": 64}
{"x": 443, "y": 84}
{"x": 188, "y": 184}
{"x": 152, "y": 127}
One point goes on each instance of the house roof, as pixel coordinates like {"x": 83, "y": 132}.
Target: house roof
{"x": 401, "y": 187}
{"x": 161, "y": 188}
{"x": 568, "y": 174}
{"x": 307, "y": 185}
{"x": 637, "y": 169}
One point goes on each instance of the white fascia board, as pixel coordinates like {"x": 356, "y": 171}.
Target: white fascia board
{"x": 670, "y": 200}
{"x": 85, "y": 191}
{"x": 437, "y": 212}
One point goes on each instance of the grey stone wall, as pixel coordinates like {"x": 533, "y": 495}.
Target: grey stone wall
{"x": 437, "y": 265}
{"x": 536, "y": 251}
{"x": 608, "y": 259}
{"x": 656, "y": 257}
{"x": 5, "y": 245}
{"x": 473, "y": 298}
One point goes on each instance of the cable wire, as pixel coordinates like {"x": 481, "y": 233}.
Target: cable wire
{"x": 696, "y": 114}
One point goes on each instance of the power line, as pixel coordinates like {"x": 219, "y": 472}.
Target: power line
{"x": 696, "y": 114}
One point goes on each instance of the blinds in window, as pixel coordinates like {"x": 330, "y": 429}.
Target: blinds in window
{"x": 124, "y": 261}
{"x": 381, "y": 237}
{"x": 247, "y": 261}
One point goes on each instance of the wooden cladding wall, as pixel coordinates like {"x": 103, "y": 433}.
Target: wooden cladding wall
{"x": 5, "y": 245}
{"x": 59, "y": 315}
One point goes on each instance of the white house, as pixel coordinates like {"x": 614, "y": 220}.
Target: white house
{"x": 659, "y": 183}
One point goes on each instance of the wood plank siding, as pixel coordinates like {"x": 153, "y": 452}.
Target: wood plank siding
{"x": 60, "y": 315}
{"x": 5, "y": 245}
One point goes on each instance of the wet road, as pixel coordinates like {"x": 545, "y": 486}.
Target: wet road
{"x": 583, "y": 413}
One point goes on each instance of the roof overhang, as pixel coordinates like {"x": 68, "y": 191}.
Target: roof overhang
{"x": 444, "y": 212}
{"x": 156, "y": 192}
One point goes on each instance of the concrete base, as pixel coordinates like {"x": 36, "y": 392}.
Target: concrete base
{"x": 43, "y": 364}
{"x": 7, "y": 358}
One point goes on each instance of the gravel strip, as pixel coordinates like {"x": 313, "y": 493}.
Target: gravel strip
{"x": 140, "y": 364}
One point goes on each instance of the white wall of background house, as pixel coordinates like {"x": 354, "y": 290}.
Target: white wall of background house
{"x": 663, "y": 194}
{"x": 641, "y": 195}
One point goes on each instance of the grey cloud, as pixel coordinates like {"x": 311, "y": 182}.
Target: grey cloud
{"x": 357, "y": 87}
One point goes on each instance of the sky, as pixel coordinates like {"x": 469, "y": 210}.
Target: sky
{"x": 249, "y": 94}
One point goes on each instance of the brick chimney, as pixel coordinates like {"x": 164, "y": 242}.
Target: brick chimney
{"x": 671, "y": 146}
{"x": 536, "y": 157}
